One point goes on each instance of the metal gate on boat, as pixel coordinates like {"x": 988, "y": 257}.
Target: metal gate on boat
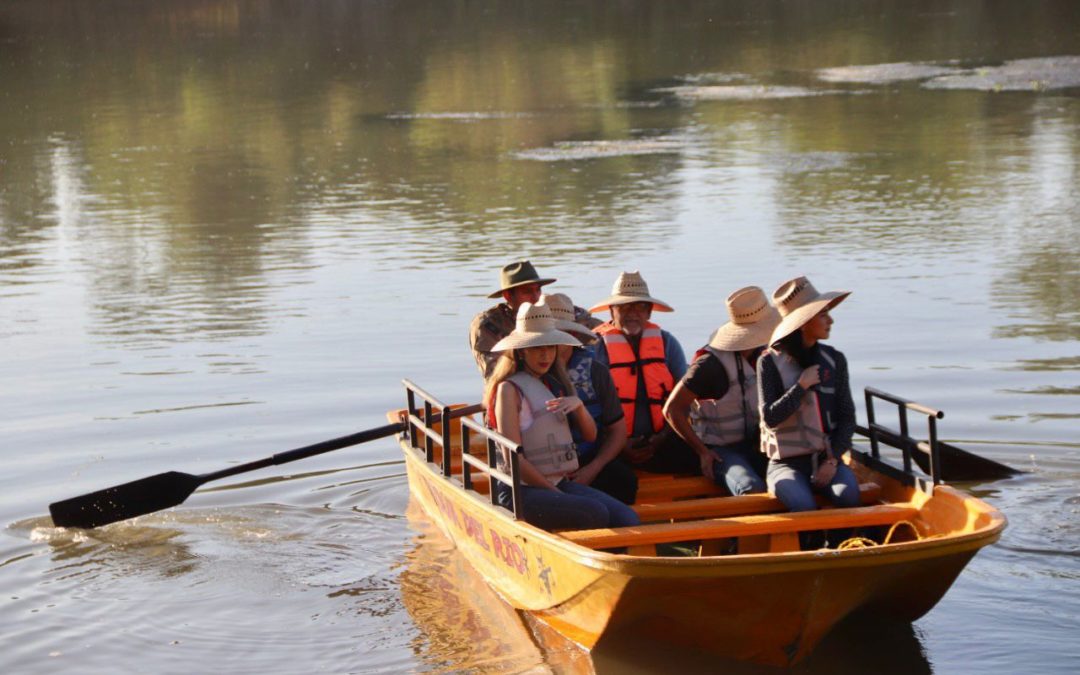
{"x": 495, "y": 442}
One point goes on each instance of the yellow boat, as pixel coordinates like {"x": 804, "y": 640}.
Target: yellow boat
{"x": 748, "y": 593}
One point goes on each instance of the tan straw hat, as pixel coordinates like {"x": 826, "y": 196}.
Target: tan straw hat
{"x": 752, "y": 321}
{"x": 630, "y": 287}
{"x": 516, "y": 274}
{"x": 562, "y": 308}
{"x": 535, "y": 327}
{"x": 798, "y": 302}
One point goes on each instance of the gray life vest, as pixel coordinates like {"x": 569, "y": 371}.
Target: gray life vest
{"x": 548, "y": 444}
{"x": 728, "y": 419}
{"x": 802, "y": 433}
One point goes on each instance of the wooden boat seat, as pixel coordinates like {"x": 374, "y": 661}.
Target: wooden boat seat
{"x": 717, "y": 507}
{"x": 744, "y": 526}
{"x": 664, "y": 488}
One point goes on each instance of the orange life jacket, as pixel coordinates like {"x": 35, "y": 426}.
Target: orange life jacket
{"x": 625, "y": 366}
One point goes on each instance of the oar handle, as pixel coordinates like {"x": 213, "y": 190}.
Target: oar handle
{"x": 306, "y": 451}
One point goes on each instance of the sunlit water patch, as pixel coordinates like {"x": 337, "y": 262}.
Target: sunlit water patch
{"x": 575, "y": 150}
{"x": 471, "y": 116}
{"x": 745, "y": 92}
{"x": 1055, "y": 72}
{"x": 884, "y": 73}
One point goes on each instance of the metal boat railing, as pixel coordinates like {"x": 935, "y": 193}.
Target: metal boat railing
{"x": 495, "y": 442}
{"x": 902, "y": 440}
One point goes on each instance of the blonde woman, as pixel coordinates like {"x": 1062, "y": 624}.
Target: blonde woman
{"x": 527, "y": 403}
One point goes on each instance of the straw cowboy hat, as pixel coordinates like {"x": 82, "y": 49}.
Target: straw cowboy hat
{"x": 516, "y": 274}
{"x": 630, "y": 287}
{"x": 562, "y": 308}
{"x": 752, "y": 321}
{"x": 535, "y": 327}
{"x": 798, "y": 302}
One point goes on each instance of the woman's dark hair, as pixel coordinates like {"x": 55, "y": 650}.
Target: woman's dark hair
{"x": 792, "y": 345}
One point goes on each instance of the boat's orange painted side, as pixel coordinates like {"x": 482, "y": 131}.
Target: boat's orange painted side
{"x": 768, "y": 607}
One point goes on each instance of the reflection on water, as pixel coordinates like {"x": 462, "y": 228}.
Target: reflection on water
{"x": 464, "y": 624}
{"x": 314, "y": 196}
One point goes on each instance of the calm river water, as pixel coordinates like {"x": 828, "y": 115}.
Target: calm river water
{"x": 229, "y": 228}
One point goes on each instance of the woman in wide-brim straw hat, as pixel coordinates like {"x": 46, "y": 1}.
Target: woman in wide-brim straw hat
{"x": 714, "y": 407}
{"x": 807, "y": 413}
{"x": 530, "y": 401}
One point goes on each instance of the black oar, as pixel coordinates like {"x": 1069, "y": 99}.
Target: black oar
{"x": 166, "y": 490}
{"x": 956, "y": 463}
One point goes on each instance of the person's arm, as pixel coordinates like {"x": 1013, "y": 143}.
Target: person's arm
{"x": 776, "y": 404}
{"x": 610, "y": 448}
{"x": 482, "y": 338}
{"x": 677, "y": 414}
{"x": 585, "y": 423}
{"x": 508, "y": 423}
{"x": 845, "y": 408}
{"x": 674, "y": 355}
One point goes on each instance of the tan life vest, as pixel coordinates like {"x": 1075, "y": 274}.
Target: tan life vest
{"x": 802, "y": 433}
{"x": 547, "y": 443}
{"x": 726, "y": 420}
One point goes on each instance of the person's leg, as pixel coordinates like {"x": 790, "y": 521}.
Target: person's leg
{"x": 790, "y": 484}
{"x": 789, "y": 481}
{"x": 735, "y": 471}
{"x": 559, "y": 510}
{"x": 619, "y": 514}
{"x": 844, "y": 487}
{"x": 843, "y": 491}
{"x": 618, "y": 480}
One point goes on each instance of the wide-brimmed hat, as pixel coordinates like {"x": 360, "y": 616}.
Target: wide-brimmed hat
{"x": 752, "y": 321}
{"x": 630, "y": 287}
{"x": 798, "y": 302}
{"x": 516, "y": 274}
{"x": 562, "y": 308}
{"x": 535, "y": 327}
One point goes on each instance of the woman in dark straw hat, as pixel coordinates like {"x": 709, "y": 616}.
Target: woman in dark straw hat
{"x": 527, "y": 403}
{"x": 807, "y": 414}
{"x": 714, "y": 407}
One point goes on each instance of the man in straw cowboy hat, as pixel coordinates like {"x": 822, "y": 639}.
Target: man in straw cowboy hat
{"x": 807, "y": 413}
{"x": 645, "y": 362}
{"x": 600, "y": 464}
{"x": 714, "y": 407}
{"x": 519, "y": 283}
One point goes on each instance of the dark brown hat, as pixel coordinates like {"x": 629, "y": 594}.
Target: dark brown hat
{"x": 516, "y": 274}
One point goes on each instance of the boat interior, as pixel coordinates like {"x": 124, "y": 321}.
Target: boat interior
{"x": 692, "y": 516}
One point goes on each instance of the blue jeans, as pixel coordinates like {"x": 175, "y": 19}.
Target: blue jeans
{"x": 572, "y": 507}
{"x": 789, "y": 480}
{"x": 736, "y": 469}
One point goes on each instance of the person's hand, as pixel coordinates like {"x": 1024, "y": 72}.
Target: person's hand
{"x": 708, "y": 461}
{"x": 810, "y": 377}
{"x": 638, "y": 450}
{"x": 825, "y": 473}
{"x": 564, "y": 404}
{"x": 586, "y": 474}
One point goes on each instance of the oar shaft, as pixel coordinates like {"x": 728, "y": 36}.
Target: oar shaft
{"x": 306, "y": 451}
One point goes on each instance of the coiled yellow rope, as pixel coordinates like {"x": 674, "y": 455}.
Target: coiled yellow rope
{"x": 863, "y": 542}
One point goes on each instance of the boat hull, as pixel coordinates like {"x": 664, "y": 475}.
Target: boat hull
{"x": 770, "y": 608}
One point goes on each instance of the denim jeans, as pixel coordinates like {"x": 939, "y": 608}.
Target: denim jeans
{"x": 789, "y": 480}
{"x": 738, "y": 469}
{"x": 572, "y": 507}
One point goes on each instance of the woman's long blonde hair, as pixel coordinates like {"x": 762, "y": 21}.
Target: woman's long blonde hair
{"x": 510, "y": 363}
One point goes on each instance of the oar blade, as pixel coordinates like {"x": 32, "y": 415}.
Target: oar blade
{"x": 128, "y": 500}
